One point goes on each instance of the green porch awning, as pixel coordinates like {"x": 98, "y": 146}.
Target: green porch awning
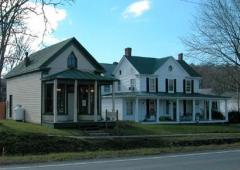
{"x": 74, "y": 74}
{"x": 167, "y": 95}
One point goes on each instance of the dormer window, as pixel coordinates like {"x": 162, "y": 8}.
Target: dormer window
{"x": 72, "y": 61}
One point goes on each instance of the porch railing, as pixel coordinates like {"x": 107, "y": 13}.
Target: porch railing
{"x": 111, "y": 116}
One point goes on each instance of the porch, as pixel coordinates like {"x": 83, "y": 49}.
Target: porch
{"x": 73, "y": 97}
{"x": 174, "y": 108}
{"x": 181, "y": 110}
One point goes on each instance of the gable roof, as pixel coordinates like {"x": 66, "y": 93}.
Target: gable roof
{"x": 109, "y": 68}
{"x": 189, "y": 69}
{"x": 146, "y": 65}
{"x": 40, "y": 59}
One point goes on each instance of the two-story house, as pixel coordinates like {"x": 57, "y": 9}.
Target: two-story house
{"x": 159, "y": 90}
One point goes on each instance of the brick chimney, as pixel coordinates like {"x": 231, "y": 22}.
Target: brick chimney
{"x": 180, "y": 56}
{"x": 128, "y": 52}
{"x": 27, "y": 59}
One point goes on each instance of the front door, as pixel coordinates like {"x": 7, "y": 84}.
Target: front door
{"x": 70, "y": 106}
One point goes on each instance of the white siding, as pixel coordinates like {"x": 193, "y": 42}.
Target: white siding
{"x": 128, "y": 72}
{"x": 107, "y": 105}
{"x": 60, "y": 63}
{"x": 26, "y": 91}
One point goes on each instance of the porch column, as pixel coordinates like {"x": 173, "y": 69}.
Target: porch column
{"x": 194, "y": 110}
{"x": 75, "y": 101}
{"x": 177, "y": 111}
{"x": 113, "y": 97}
{"x": 136, "y": 110}
{"x": 158, "y": 110}
{"x": 95, "y": 101}
{"x": 55, "y": 101}
{"x": 226, "y": 110}
{"x": 210, "y": 109}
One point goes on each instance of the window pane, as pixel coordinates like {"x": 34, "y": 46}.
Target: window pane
{"x": 152, "y": 84}
{"x": 49, "y": 98}
{"x": 171, "y": 85}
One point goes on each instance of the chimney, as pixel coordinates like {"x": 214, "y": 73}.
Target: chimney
{"x": 128, "y": 52}
{"x": 180, "y": 56}
{"x": 27, "y": 59}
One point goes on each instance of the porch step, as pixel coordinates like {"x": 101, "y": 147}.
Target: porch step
{"x": 97, "y": 133}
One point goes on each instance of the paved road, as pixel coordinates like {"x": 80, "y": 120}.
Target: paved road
{"x": 220, "y": 160}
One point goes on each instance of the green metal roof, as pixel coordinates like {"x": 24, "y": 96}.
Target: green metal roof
{"x": 40, "y": 59}
{"x": 164, "y": 94}
{"x": 75, "y": 74}
{"x": 188, "y": 69}
{"x": 146, "y": 65}
{"x": 109, "y": 68}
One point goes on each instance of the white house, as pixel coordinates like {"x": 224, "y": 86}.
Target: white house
{"x": 159, "y": 90}
{"x": 60, "y": 83}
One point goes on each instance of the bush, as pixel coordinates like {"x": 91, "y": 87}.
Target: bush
{"x": 217, "y": 115}
{"x": 234, "y": 117}
{"x": 165, "y": 118}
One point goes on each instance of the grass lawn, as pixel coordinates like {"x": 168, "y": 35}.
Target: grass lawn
{"x": 18, "y": 128}
{"x": 122, "y": 128}
{"x": 126, "y": 128}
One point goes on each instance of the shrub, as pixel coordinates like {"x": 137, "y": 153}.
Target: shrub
{"x": 217, "y": 115}
{"x": 165, "y": 118}
{"x": 234, "y": 117}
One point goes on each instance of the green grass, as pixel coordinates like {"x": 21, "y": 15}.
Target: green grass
{"x": 122, "y": 128}
{"x": 18, "y": 128}
{"x": 130, "y": 128}
{"x": 8, "y": 160}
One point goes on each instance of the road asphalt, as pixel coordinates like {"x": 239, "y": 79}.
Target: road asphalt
{"x": 212, "y": 160}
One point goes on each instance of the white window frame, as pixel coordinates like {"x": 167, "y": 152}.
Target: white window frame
{"x": 119, "y": 85}
{"x": 129, "y": 107}
{"x": 106, "y": 88}
{"x": 152, "y": 84}
{"x": 133, "y": 83}
{"x": 172, "y": 81}
{"x": 188, "y": 87}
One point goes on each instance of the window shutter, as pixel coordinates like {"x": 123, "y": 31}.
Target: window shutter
{"x": 166, "y": 85}
{"x": 184, "y": 86}
{"x": 147, "y": 84}
{"x": 175, "y": 85}
{"x": 147, "y": 107}
{"x": 156, "y": 85}
{"x": 192, "y": 86}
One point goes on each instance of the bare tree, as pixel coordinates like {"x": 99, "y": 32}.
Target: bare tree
{"x": 13, "y": 28}
{"x": 217, "y": 34}
{"x": 216, "y": 37}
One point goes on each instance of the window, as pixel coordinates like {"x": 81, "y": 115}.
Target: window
{"x": 119, "y": 86}
{"x": 107, "y": 88}
{"x": 171, "y": 85}
{"x": 170, "y": 68}
{"x": 120, "y": 72}
{"x": 188, "y": 86}
{"x": 61, "y": 98}
{"x": 49, "y": 98}
{"x": 130, "y": 107}
{"x": 133, "y": 83}
{"x": 152, "y": 85}
{"x": 72, "y": 61}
